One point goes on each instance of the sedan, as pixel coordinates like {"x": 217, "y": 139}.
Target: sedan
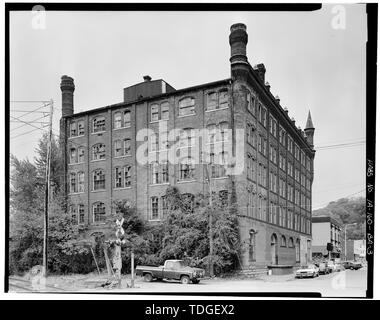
{"x": 310, "y": 270}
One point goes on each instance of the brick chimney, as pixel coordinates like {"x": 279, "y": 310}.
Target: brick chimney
{"x": 67, "y": 88}
{"x": 238, "y": 42}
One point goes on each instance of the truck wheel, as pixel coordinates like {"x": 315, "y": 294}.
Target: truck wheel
{"x": 185, "y": 280}
{"x": 148, "y": 277}
{"x": 351, "y": 268}
{"x": 196, "y": 281}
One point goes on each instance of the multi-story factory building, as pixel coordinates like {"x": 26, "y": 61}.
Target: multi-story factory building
{"x": 104, "y": 148}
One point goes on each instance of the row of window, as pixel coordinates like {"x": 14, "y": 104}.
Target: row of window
{"x": 122, "y": 179}
{"x": 98, "y": 151}
{"x": 276, "y": 214}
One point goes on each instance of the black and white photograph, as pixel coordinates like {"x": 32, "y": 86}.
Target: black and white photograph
{"x": 161, "y": 149}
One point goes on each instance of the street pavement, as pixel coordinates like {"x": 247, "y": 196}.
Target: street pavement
{"x": 349, "y": 283}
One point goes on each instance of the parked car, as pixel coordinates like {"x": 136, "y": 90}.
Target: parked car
{"x": 172, "y": 269}
{"x": 353, "y": 265}
{"x": 340, "y": 267}
{"x": 331, "y": 266}
{"x": 310, "y": 270}
{"x": 323, "y": 269}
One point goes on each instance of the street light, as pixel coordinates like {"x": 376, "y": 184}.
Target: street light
{"x": 345, "y": 238}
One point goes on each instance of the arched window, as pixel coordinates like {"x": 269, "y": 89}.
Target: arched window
{"x": 99, "y": 124}
{"x": 186, "y": 106}
{"x": 291, "y": 242}
{"x": 73, "y": 129}
{"x": 99, "y": 179}
{"x": 186, "y": 169}
{"x": 252, "y": 245}
{"x": 99, "y": 151}
{"x": 99, "y": 212}
{"x": 283, "y": 241}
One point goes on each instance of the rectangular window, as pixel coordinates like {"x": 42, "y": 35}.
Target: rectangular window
{"x": 80, "y": 127}
{"x": 73, "y": 213}
{"x": 81, "y": 213}
{"x": 186, "y": 106}
{"x": 73, "y": 182}
{"x": 73, "y": 155}
{"x": 99, "y": 180}
{"x": 154, "y": 112}
{"x": 81, "y": 182}
{"x": 99, "y": 152}
{"x": 127, "y": 147}
{"x": 264, "y": 119}
{"x": 127, "y": 176}
{"x": 73, "y": 129}
{"x": 99, "y": 212}
{"x": 127, "y": 118}
{"x": 165, "y": 172}
{"x": 118, "y": 148}
{"x": 99, "y": 124}
{"x": 165, "y": 111}
{"x": 211, "y": 101}
{"x": 118, "y": 178}
{"x": 80, "y": 154}
{"x": 154, "y": 208}
{"x": 164, "y": 206}
{"x": 223, "y": 99}
{"x": 117, "y": 120}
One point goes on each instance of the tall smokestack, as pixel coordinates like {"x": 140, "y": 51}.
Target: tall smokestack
{"x": 238, "y": 43}
{"x": 67, "y": 88}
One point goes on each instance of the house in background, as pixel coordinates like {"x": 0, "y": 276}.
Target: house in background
{"x": 326, "y": 230}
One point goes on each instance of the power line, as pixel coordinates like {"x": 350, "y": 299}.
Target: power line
{"x": 27, "y": 123}
{"x": 22, "y": 134}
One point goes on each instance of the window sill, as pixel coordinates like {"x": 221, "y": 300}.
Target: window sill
{"x": 100, "y": 190}
{"x": 186, "y": 181}
{"x": 116, "y": 129}
{"x": 75, "y": 163}
{"x": 99, "y": 132}
{"x": 98, "y": 160}
{"x": 120, "y": 157}
{"x": 123, "y": 188}
{"x": 225, "y": 108}
{"x": 159, "y": 184}
{"x": 99, "y": 223}
{"x": 220, "y": 178}
{"x": 187, "y": 115}
{"x": 75, "y": 193}
{"x": 154, "y": 220}
{"x": 73, "y": 137}
{"x": 157, "y": 121}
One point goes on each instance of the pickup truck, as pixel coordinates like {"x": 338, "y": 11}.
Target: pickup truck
{"x": 173, "y": 270}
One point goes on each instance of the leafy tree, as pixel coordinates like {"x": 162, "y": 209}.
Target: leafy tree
{"x": 185, "y": 231}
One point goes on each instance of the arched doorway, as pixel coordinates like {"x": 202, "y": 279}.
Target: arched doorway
{"x": 298, "y": 251}
{"x": 252, "y": 246}
{"x": 274, "y": 249}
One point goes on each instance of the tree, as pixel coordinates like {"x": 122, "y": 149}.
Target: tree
{"x": 185, "y": 231}
{"x": 27, "y": 214}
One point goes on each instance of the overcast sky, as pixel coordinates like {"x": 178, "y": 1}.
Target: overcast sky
{"x": 310, "y": 65}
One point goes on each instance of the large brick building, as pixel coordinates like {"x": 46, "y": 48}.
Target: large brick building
{"x": 273, "y": 187}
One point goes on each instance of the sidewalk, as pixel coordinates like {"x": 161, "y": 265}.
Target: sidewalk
{"x": 276, "y": 278}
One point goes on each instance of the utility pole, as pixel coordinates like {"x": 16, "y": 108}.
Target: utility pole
{"x": 210, "y": 223}
{"x": 47, "y": 195}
